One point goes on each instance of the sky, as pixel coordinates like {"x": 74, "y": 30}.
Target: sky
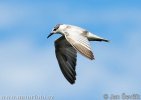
{"x": 27, "y": 59}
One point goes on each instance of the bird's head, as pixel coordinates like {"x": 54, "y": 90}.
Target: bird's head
{"x": 55, "y": 30}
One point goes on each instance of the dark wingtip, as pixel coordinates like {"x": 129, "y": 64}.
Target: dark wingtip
{"x": 93, "y": 58}
{"x": 72, "y": 83}
{"x": 106, "y": 40}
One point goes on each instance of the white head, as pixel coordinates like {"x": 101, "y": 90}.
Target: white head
{"x": 57, "y": 29}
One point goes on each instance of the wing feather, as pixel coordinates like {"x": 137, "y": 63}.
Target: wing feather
{"x": 66, "y": 56}
{"x": 80, "y": 43}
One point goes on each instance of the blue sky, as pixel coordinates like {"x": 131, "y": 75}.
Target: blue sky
{"x": 28, "y": 63}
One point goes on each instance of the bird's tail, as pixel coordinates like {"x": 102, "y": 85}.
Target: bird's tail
{"x": 92, "y": 37}
{"x": 105, "y": 40}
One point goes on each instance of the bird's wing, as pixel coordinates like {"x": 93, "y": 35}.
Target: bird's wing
{"x": 66, "y": 56}
{"x": 80, "y": 42}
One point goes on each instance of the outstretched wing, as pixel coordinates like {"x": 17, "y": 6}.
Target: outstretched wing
{"x": 78, "y": 39}
{"x": 66, "y": 56}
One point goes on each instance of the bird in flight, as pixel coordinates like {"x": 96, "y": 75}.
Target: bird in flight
{"x": 74, "y": 39}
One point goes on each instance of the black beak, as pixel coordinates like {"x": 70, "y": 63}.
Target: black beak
{"x": 50, "y": 35}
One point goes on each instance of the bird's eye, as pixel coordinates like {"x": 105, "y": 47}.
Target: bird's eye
{"x": 55, "y": 29}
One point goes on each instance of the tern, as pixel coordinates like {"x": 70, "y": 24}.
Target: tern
{"x": 74, "y": 39}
